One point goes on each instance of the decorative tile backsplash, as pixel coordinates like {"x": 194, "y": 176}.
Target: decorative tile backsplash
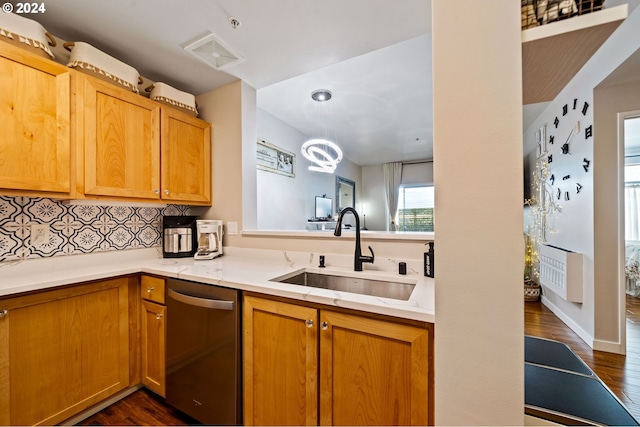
{"x": 78, "y": 229}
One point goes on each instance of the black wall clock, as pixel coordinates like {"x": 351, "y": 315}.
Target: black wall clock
{"x": 567, "y": 134}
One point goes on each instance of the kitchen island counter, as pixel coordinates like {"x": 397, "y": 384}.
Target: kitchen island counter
{"x": 244, "y": 269}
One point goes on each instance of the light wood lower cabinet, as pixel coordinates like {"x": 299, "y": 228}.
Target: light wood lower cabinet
{"x": 153, "y": 346}
{"x": 371, "y": 371}
{"x": 280, "y": 363}
{"x": 63, "y": 351}
{"x": 154, "y": 333}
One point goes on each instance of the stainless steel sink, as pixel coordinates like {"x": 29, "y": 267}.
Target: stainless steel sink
{"x": 357, "y": 285}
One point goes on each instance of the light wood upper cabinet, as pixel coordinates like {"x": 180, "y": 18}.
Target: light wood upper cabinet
{"x": 134, "y": 148}
{"x": 63, "y": 351}
{"x": 186, "y": 158}
{"x": 121, "y": 142}
{"x": 371, "y": 371}
{"x": 68, "y": 135}
{"x": 36, "y": 150}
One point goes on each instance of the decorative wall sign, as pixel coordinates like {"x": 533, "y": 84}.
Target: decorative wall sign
{"x": 274, "y": 159}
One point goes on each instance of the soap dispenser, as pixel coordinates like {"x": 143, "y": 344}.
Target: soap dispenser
{"x": 428, "y": 261}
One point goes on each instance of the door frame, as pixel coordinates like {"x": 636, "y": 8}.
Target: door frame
{"x": 622, "y": 303}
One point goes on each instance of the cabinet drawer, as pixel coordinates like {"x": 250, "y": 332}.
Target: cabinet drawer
{"x": 152, "y": 289}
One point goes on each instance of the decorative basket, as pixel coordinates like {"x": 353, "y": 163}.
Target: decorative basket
{"x": 531, "y": 291}
{"x": 92, "y": 61}
{"x": 172, "y": 97}
{"x": 27, "y": 34}
{"x": 541, "y": 12}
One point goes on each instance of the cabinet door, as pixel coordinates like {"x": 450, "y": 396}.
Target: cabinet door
{"x": 186, "y": 158}
{"x": 280, "y": 363}
{"x": 63, "y": 351}
{"x": 372, "y": 372}
{"x": 121, "y": 142}
{"x": 35, "y": 147}
{"x": 153, "y": 346}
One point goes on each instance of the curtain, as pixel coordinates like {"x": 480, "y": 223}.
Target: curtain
{"x": 392, "y": 173}
{"x": 632, "y": 212}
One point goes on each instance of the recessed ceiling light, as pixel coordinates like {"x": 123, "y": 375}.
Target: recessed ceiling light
{"x": 321, "y": 95}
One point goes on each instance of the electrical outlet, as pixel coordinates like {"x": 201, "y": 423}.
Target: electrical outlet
{"x": 39, "y": 234}
{"x": 232, "y": 228}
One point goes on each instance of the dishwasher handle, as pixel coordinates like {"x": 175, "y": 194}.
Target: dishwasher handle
{"x": 201, "y": 302}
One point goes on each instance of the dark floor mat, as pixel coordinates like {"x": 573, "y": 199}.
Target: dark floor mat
{"x": 575, "y": 395}
{"x": 554, "y": 354}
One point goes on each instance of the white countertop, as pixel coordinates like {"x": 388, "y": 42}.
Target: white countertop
{"x": 244, "y": 269}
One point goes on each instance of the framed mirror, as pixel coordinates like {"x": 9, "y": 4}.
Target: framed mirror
{"x": 345, "y": 193}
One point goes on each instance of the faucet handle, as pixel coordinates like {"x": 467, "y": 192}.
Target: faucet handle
{"x": 366, "y": 258}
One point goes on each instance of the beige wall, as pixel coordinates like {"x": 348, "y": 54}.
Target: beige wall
{"x": 223, "y": 108}
{"x": 478, "y": 189}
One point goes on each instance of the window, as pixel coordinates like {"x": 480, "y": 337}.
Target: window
{"x": 632, "y": 202}
{"x": 415, "y": 208}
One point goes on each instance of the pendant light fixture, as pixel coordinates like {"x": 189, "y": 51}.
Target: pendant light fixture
{"x": 323, "y": 153}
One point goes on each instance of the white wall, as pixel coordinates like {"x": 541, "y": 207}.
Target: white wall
{"x": 373, "y": 197}
{"x": 285, "y": 203}
{"x": 478, "y": 177}
{"x": 590, "y": 225}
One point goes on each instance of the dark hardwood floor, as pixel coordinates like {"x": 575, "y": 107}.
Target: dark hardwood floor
{"x": 620, "y": 373}
{"x": 142, "y": 408}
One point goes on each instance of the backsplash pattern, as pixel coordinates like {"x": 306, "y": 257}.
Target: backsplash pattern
{"x": 78, "y": 229}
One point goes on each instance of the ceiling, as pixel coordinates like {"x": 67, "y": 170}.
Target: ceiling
{"x": 374, "y": 55}
{"x": 382, "y": 98}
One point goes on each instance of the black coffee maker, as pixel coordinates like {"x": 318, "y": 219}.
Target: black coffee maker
{"x": 179, "y": 239}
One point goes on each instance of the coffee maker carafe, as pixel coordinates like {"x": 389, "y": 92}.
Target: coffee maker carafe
{"x": 209, "y": 239}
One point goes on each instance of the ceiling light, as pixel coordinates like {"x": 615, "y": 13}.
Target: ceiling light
{"x": 315, "y": 150}
{"x": 323, "y": 153}
{"x": 321, "y": 95}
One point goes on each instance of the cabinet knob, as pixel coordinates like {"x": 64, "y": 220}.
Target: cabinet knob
{"x": 149, "y": 290}
{"x": 309, "y": 323}
{"x": 3, "y": 313}
{"x": 156, "y": 191}
{"x": 166, "y": 192}
{"x": 159, "y": 316}
{"x": 324, "y": 326}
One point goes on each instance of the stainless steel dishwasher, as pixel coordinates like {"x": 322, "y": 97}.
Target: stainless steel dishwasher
{"x": 203, "y": 352}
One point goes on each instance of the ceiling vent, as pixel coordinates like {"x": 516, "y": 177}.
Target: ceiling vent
{"x": 214, "y": 52}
